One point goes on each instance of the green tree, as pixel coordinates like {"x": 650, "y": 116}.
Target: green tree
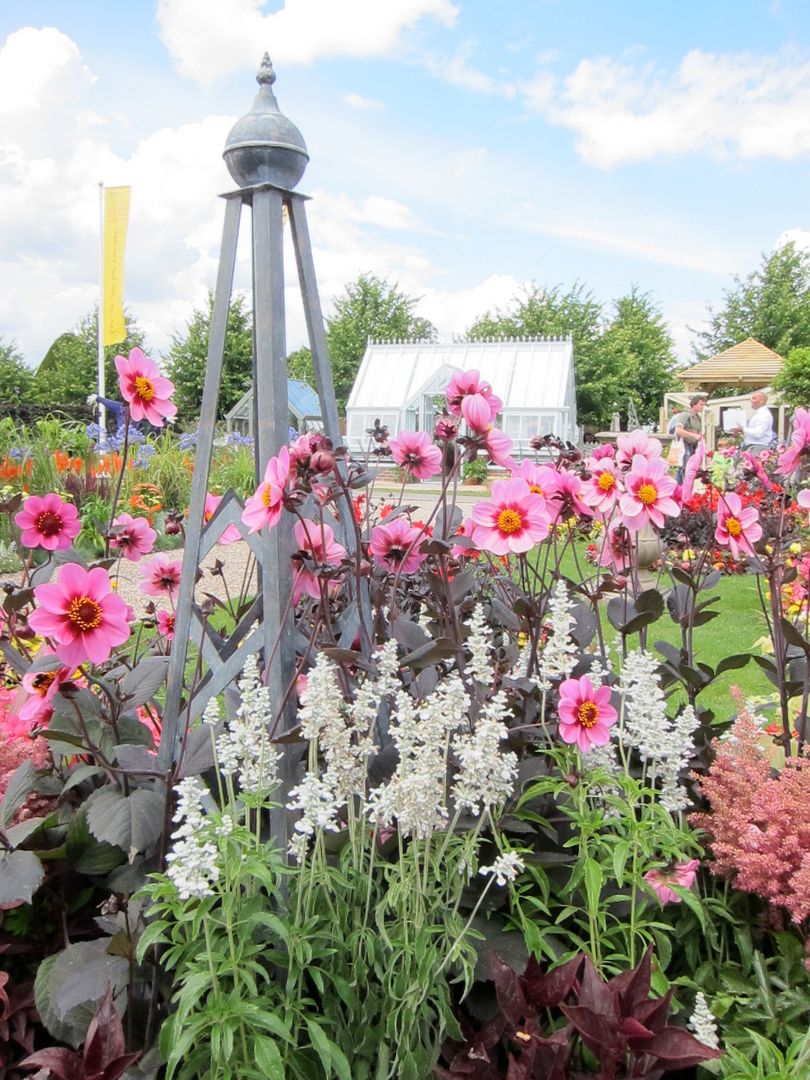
{"x": 368, "y": 308}
{"x": 638, "y": 348}
{"x": 16, "y": 378}
{"x": 559, "y": 313}
{"x": 772, "y": 305}
{"x": 299, "y": 365}
{"x": 187, "y": 357}
{"x": 69, "y": 369}
{"x": 793, "y": 381}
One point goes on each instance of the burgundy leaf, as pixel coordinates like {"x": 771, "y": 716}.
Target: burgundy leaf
{"x": 520, "y": 1068}
{"x": 597, "y": 1031}
{"x": 104, "y": 1042}
{"x": 596, "y": 995}
{"x": 632, "y": 1029}
{"x": 552, "y": 988}
{"x": 633, "y": 986}
{"x": 653, "y": 1013}
{"x": 509, "y": 991}
{"x": 678, "y": 1049}
{"x": 119, "y": 1066}
{"x": 64, "y": 1064}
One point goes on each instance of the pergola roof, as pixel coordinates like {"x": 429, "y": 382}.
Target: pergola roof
{"x": 749, "y": 363}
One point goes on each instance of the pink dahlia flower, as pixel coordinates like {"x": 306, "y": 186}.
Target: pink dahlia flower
{"x": 263, "y": 508}
{"x": 146, "y": 391}
{"x": 165, "y": 624}
{"x": 395, "y": 546}
{"x": 542, "y": 479}
{"x": 606, "y": 450}
{"x": 414, "y": 452}
{"x": 160, "y": 576}
{"x": 468, "y": 395}
{"x": 48, "y": 522}
{"x": 615, "y": 548}
{"x": 567, "y": 500}
{"x": 691, "y": 469}
{"x": 41, "y": 687}
{"x": 318, "y": 542}
{"x": 648, "y": 495}
{"x": 134, "y": 537}
{"x": 586, "y": 714}
{"x": 81, "y": 614}
{"x": 631, "y": 443}
{"x": 512, "y": 521}
{"x": 682, "y": 874}
{"x": 231, "y": 534}
{"x": 499, "y": 447}
{"x": 738, "y": 527}
{"x": 601, "y": 491}
{"x": 790, "y": 458}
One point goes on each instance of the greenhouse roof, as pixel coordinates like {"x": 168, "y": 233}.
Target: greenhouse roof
{"x": 523, "y": 372}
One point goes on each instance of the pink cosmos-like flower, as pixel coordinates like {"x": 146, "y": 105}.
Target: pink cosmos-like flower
{"x": 799, "y": 442}
{"x": 601, "y": 491}
{"x": 317, "y": 541}
{"x": 499, "y": 447}
{"x": 146, "y": 391}
{"x": 513, "y": 520}
{"x": 693, "y": 465}
{"x": 395, "y": 546}
{"x": 414, "y": 452}
{"x": 134, "y": 537}
{"x": 738, "y": 527}
{"x": 41, "y": 688}
{"x": 263, "y": 508}
{"x": 586, "y": 714}
{"x": 160, "y": 576}
{"x": 469, "y": 396}
{"x": 631, "y": 443}
{"x": 231, "y": 534}
{"x": 81, "y": 614}
{"x": 165, "y": 624}
{"x": 567, "y": 500}
{"x": 648, "y": 494}
{"x": 542, "y": 479}
{"x": 682, "y": 874}
{"x": 48, "y": 522}
{"x": 615, "y": 548}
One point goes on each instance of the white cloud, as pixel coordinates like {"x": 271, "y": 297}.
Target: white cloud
{"x": 453, "y": 311}
{"x": 739, "y": 105}
{"x": 457, "y": 70}
{"x": 209, "y": 38}
{"x": 357, "y": 101}
{"x": 799, "y": 237}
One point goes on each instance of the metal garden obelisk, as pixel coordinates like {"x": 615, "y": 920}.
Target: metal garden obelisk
{"x": 266, "y": 156}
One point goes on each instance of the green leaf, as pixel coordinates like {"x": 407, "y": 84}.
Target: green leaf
{"x": 268, "y": 1057}
{"x": 594, "y": 879}
{"x": 144, "y": 681}
{"x": 21, "y": 874}
{"x": 132, "y": 822}
{"x": 81, "y": 974}
{"x": 17, "y": 789}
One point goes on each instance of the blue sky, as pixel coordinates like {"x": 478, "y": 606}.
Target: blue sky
{"x": 458, "y": 147}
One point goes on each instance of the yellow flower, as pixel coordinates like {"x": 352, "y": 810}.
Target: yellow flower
{"x": 795, "y": 549}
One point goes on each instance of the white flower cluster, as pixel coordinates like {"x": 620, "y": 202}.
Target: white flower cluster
{"x": 416, "y": 795}
{"x": 559, "y": 656}
{"x": 344, "y": 737}
{"x": 666, "y": 744}
{"x": 245, "y": 748}
{"x": 191, "y": 865}
{"x": 505, "y": 868}
{"x": 485, "y": 776}
{"x": 479, "y": 642}
{"x": 702, "y": 1023}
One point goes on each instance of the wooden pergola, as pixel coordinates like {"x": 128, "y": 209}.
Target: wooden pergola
{"x": 748, "y": 364}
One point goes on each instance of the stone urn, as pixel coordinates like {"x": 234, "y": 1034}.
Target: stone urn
{"x": 649, "y": 550}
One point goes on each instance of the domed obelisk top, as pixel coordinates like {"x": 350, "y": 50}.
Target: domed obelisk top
{"x": 264, "y": 147}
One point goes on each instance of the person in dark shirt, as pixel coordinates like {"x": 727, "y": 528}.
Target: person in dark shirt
{"x": 690, "y": 430}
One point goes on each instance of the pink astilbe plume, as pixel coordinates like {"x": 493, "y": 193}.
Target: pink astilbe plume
{"x": 758, "y": 825}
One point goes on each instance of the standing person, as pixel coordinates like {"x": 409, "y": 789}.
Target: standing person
{"x": 758, "y": 433}
{"x": 690, "y": 429}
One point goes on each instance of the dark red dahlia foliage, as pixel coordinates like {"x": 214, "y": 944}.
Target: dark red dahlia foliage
{"x": 569, "y": 1024}
{"x": 102, "y": 1058}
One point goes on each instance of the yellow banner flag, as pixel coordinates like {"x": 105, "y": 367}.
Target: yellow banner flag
{"x": 116, "y": 216}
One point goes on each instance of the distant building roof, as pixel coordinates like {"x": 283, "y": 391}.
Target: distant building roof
{"x": 749, "y": 363}
{"x": 303, "y": 400}
{"x": 523, "y": 372}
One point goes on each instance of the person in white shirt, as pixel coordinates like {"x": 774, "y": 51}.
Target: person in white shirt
{"x": 758, "y": 433}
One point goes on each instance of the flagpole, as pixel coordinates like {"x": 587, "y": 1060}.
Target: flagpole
{"x": 102, "y": 412}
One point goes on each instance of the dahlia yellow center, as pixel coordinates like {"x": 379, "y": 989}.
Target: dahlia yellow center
{"x": 266, "y": 495}
{"x": 606, "y": 482}
{"x": 647, "y": 494}
{"x": 84, "y": 613}
{"x": 733, "y": 526}
{"x": 49, "y": 523}
{"x": 510, "y": 521}
{"x": 588, "y": 714}
{"x": 144, "y": 388}
{"x": 536, "y": 489}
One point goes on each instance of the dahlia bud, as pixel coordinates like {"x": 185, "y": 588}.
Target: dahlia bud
{"x": 322, "y": 461}
{"x": 446, "y": 428}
